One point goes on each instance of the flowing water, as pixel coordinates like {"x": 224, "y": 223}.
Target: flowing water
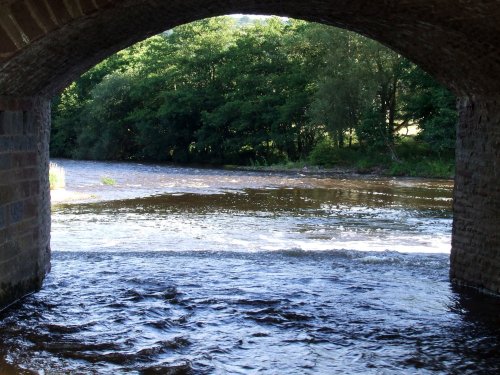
{"x": 205, "y": 271}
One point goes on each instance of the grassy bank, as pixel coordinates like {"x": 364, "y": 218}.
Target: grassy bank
{"x": 409, "y": 159}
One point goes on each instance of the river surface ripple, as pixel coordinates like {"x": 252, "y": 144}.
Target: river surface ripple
{"x": 205, "y": 271}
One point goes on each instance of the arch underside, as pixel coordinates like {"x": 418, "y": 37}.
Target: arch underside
{"x": 46, "y": 44}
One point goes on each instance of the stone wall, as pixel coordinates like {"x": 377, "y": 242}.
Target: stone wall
{"x": 475, "y": 257}
{"x": 24, "y": 196}
{"x": 45, "y": 44}
{"x": 27, "y": 20}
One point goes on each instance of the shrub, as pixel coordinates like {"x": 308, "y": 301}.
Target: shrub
{"x": 434, "y": 168}
{"x": 324, "y": 154}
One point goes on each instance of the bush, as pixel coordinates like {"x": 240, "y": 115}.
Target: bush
{"x": 441, "y": 169}
{"x": 434, "y": 168}
{"x": 326, "y": 154}
{"x": 323, "y": 154}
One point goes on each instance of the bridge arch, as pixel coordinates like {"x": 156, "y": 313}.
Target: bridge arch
{"x": 45, "y": 44}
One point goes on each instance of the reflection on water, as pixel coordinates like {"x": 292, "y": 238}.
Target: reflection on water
{"x": 179, "y": 271}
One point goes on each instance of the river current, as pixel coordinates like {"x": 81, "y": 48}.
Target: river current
{"x": 202, "y": 271}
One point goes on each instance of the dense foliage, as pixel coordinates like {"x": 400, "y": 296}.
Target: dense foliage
{"x": 218, "y": 91}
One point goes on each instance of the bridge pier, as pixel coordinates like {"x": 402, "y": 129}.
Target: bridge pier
{"x": 475, "y": 255}
{"x": 24, "y": 196}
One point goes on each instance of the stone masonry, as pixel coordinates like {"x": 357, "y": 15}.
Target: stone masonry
{"x": 475, "y": 257}
{"x": 24, "y": 197}
{"x": 45, "y": 44}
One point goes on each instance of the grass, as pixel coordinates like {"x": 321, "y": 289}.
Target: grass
{"x": 415, "y": 159}
{"x": 426, "y": 167}
{"x": 108, "y": 181}
{"x": 285, "y": 165}
{"x": 57, "y": 177}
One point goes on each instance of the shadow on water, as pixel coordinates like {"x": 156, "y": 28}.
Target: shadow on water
{"x": 477, "y": 306}
{"x": 477, "y": 337}
{"x": 273, "y": 200}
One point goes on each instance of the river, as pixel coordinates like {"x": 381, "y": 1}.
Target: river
{"x": 173, "y": 270}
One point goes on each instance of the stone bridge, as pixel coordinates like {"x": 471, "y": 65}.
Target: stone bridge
{"x": 45, "y": 44}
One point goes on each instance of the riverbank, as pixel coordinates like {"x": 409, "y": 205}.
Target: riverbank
{"x": 301, "y": 169}
{"x": 398, "y": 169}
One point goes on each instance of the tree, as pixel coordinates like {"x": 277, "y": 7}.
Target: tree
{"x": 263, "y": 91}
{"x": 433, "y": 107}
{"x": 106, "y": 130}
{"x": 344, "y": 88}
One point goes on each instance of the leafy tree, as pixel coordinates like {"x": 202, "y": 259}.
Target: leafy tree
{"x": 106, "y": 130}
{"x": 222, "y": 91}
{"x": 433, "y": 107}
{"x": 344, "y": 88}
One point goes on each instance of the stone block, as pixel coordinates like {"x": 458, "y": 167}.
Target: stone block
{"x": 15, "y": 192}
{"x": 8, "y": 24}
{"x": 59, "y": 10}
{"x": 5, "y": 161}
{"x": 34, "y": 187}
{"x": 16, "y": 211}
{"x": 15, "y": 143}
{"x": 3, "y": 221}
{"x": 7, "y": 46}
{"x": 6, "y": 192}
{"x": 102, "y": 3}
{"x": 10, "y": 250}
{"x": 25, "y": 20}
{"x": 10, "y": 123}
{"x": 28, "y": 127}
{"x": 87, "y": 6}
{"x": 42, "y": 14}
{"x": 30, "y": 208}
{"x": 24, "y": 190}
{"x": 24, "y": 159}
{"x": 2, "y": 123}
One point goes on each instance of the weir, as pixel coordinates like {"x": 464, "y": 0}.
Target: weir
{"x": 46, "y": 44}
